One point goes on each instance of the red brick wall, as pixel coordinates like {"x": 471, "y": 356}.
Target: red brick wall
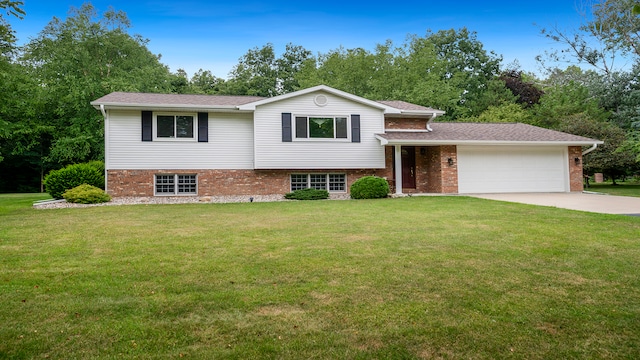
{"x": 222, "y": 182}
{"x": 433, "y": 173}
{"x": 575, "y": 170}
{"x": 405, "y": 123}
{"x": 442, "y": 177}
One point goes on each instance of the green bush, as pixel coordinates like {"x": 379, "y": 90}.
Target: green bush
{"x": 86, "y": 194}
{"x": 369, "y": 187}
{"x": 59, "y": 181}
{"x": 307, "y": 194}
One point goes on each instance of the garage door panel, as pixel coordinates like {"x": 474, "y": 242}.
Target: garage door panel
{"x": 511, "y": 169}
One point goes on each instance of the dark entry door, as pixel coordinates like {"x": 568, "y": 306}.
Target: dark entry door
{"x": 408, "y": 167}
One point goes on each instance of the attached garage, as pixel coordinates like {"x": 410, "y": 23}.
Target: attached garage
{"x": 508, "y": 169}
{"x": 476, "y": 158}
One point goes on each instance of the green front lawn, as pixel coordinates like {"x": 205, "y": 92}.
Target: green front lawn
{"x": 621, "y": 188}
{"x": 410, "y": 278}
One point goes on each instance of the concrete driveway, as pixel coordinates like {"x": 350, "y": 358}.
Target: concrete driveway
{"x": 583, "y": 201}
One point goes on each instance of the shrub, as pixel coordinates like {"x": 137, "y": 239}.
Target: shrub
{"x": 59, "y": 181}
{"x": 86, "y": 194}
{"x": 369, "y": 187}
{"x": 307, "y": 194}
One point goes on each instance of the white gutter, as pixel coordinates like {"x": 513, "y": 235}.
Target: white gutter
{"x": 409, "y": 142}
{"x": 429, "y": 129}
{"x": 106, "y": 144}
{"x": 590, "y": 149}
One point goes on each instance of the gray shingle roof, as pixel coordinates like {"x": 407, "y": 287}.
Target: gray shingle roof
{"x": 148, "y": 99}
{"x": 403, "y": 105}
{"x": 484, "y": 132}
{"x": 127, "y": 99}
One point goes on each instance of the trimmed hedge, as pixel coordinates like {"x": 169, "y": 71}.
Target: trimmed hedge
{"x": 307, "y": 194}
{"x": 370, "y": 187}
{"x": 86, "y": 194}
{"x": 59, "y": 181}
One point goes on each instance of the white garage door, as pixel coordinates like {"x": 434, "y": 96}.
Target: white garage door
{"x": 502, "y": 169}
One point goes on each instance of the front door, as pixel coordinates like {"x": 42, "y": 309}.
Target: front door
{"x": 408, "y": 167}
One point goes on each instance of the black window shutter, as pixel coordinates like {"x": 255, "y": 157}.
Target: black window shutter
{"x": 301, "y": 127}
{"x": 355, "y": 128}
{"x": 286, "y": 127}
{"x": 203, "y": 127}
{"x": 147, "y": 126}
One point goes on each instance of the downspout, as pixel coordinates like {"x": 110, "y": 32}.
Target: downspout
{"x": 429, "y": 129}
{"x": 104, "y": 114}
{"x": 589, "y": 149}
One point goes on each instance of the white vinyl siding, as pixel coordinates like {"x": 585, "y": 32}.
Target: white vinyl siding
{"x": 272, "y": 153}
{"x": 508, "y": 169}
{"x": 230, "y": 144}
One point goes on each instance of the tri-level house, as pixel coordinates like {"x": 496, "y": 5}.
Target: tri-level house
{"x": 320, "y": 137}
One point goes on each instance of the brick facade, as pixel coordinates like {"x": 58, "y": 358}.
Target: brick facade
{"x": 575, "y": 169}
{"x": 405, "y": 123}
{"x": 223, "y": 182}
{"x": 433, "y": 172}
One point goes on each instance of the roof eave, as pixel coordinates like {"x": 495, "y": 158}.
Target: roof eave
{"x": 177, "y": 107}
{"x": 384, "y": 141}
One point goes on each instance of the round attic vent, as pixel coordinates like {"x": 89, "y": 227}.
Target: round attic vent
{"x": 320, "y": 100}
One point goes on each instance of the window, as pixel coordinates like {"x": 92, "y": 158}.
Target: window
{"x": 176, "y": 184}
{"x": 321, "y": 127}
{"x": 330, "y": 182}
{"x": 175, "y": 126}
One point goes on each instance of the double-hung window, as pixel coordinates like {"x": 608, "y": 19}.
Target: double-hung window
{"x": 175, "y": 126}
{"x": 321, "y": 127}
{"x": 330, "y": 182}
{"x": 176, "y": 184}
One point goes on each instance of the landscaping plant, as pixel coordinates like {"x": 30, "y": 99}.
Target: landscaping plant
{"x": 86, "y": 194}
{"x": 370, "y": 187}
{"x": 307, "y": 194}
{"x": 59, "y": 181}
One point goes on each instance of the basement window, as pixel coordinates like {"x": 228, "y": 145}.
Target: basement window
{"x": 176, "y": 184}
{"x": 330, "y": 182}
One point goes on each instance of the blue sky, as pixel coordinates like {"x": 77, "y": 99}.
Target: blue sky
{"x": 213, "y": 35}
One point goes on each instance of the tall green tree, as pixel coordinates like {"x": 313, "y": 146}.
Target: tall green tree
{"x": 610, "y": 32}
{"x": 260, "y": 73}
{"x": 7, "y": 37}
{"x": 449, "y": 70}
{"x": 613, "y": 158}
{"x": 204, "y": 82}
{"x": 80, "y": 59}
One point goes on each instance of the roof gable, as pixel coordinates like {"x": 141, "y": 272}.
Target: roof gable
{"x": 322, "y": 88}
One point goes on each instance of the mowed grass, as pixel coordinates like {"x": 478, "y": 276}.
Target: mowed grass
{"x": 411, "y": 278}
{"x": 620, "y": 189}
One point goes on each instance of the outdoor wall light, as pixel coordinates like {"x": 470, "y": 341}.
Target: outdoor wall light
{"x": 450, "y": 161}
{"x": 577, "y": 160}
{"x": 423, "y": 151}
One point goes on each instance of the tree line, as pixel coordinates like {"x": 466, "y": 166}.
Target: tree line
{"x": 46, "y": 86}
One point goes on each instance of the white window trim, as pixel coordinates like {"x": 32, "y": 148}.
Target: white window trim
{"x": 174, "y": 114}
{"x": 175, "y": 184}
{"x": 308, "y": 175}
{"x": 310, "y": 139}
